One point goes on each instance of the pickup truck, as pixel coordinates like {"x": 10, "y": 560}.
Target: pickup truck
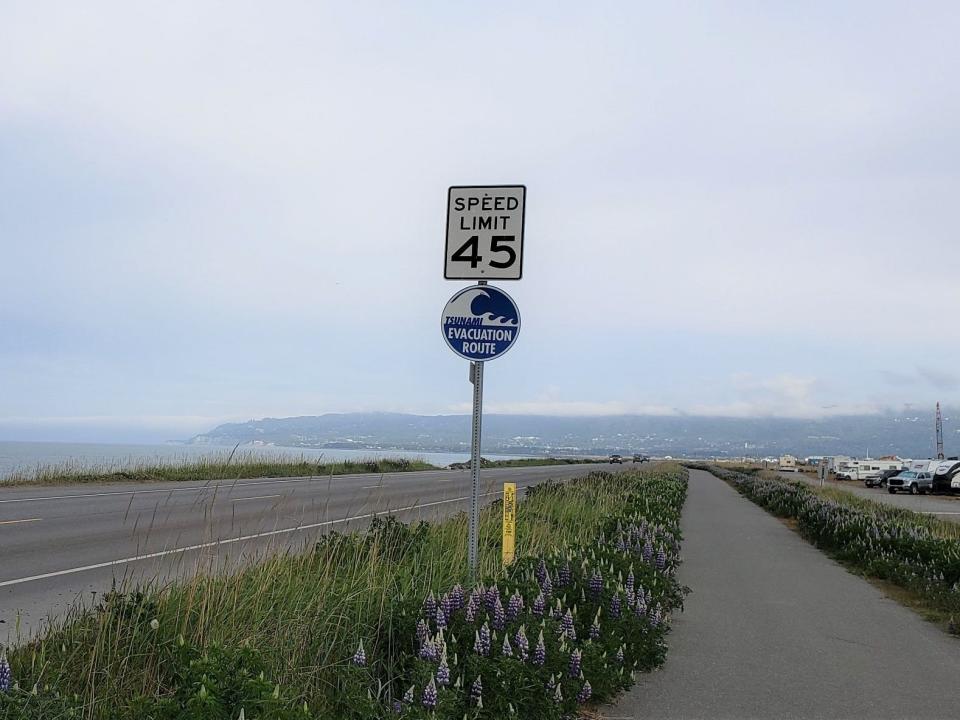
{"x": 915, "y": 482}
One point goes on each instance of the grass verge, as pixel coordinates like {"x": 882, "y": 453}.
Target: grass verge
{"x": 914, "y": 558}
{"x": 529, "y": 462}
{"x": 226, "y": 466}
{"x": 381, "y": 624}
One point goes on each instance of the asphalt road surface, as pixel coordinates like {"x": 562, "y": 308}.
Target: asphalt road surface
{"x": 62, "y": 546}
{"x": 775, "y": 629}
{"x": 945, "y": 507}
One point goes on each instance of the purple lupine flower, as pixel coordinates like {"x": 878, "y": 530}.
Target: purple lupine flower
{"x": 661, "y": 559}
{"x": 408, "y": 696}
{"x": 538, "y": 605}
{"x": 397, "y": 707}
{"x": 456, "y": 596}
{"x": 429, "y": 699}
{"x": 515, "y": 606}
{"x": 499, "y": 616}
{"x": 471, "y": 612}
{"x": 596, "y": 584}
{"x": 647, "y": 551}
{"x": 573, "y": 670}
{"x": 630, "y": 580}
{"x": 585, "y": 692}
{"x": 481, "y": 643}
{"x": 446, "y": 604}
{"x": 540, "y": 652}
{"x": 620, "y": 655}
{"x": 566, "y": 626}
{"x": 359, "y": 657}
{"x": 595, "y": 629}
{"x": 541, "y": 572}
{"x": 615, "y": 606}
{"x": 640, "y": 609}
{"x": 564, "y": 576}
{"x": 441, "y": 618}
{"x": 523, "y": 645}
{"x": 5, "y": 673}
{"x": 476, "y": 693}
{"x": 492, "y": 598}
{"x": 546, "y": 587}
{"x": 507, "y": 650}
{"x": 423, "y": 631}
{"x": 558, "y": 695}
{"x": 443, "y": 672}
{"x": 430, "y": 606}
{"x": 551, "y": 683}
{"x": 656, "y": 616}
{"x": 631, "y": 597}
{"x": 428, "y": 651}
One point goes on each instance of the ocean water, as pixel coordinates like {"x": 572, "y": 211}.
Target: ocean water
{"x": 29, "y": 455}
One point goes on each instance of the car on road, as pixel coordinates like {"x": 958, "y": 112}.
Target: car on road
{"x": 912, "y": 481}
{"x": 616, "y": 459}
{"x": 881, "y": 479}
{"x": 637, "y": 457}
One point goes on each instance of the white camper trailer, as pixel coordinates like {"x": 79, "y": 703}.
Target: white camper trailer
{"x": 787, "y": 463}
{"x": 866, "y": 469}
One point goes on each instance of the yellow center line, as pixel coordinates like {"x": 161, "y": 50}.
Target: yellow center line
{"x": 13, "y": 522}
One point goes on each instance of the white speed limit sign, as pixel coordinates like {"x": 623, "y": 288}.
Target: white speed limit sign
{"x": 485, "y": 232}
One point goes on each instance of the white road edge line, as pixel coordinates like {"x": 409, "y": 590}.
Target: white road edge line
{"x": 229, "y": 541}
{"x": 14, "y": 522}
{"x": 215, "y": 486}
{"x": 255, "y": 497}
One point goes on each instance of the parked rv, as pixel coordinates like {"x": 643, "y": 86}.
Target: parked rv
{"x": 944, "y": 473}
{"x": 867, "y": 469}
{"x": 788, "y": 463}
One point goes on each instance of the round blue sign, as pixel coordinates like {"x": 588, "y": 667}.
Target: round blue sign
{"x": 480, "y": 323}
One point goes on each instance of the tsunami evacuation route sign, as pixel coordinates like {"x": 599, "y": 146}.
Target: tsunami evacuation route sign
{"x": 480, "y": 323}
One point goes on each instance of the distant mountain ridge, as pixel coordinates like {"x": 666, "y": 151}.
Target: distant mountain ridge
{"x": 691, "y": 436}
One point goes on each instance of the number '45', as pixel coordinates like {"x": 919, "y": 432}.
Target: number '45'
{"x": 470, "y": 251}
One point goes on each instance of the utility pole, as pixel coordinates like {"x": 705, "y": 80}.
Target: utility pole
{"x": 939, "y": 433}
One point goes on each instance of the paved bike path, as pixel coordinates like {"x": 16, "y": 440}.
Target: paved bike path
{"x": 775, "y": 629}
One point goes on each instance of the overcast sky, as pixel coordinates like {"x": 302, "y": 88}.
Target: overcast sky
{"x": 227, "y": 210}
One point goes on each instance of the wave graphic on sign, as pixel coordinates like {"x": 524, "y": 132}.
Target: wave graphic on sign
{"x": 494, "y": 305}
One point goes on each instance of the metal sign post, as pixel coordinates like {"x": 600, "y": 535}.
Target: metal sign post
{"x": 477, "y": 380}
{"x": 484, "y": 241}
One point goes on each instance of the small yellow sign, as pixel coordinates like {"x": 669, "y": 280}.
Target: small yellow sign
{"x": 509, "y": 522}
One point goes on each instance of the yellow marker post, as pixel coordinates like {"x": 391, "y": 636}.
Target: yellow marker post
{"x": 509, "y": 522}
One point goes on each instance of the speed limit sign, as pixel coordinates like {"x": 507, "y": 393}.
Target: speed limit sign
{"x": 485, "y": 232}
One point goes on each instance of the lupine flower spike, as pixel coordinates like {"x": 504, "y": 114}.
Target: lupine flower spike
{"x": 443, "y": 672}
{"x": 430, "y": 695}
{"x": 5, "y": 673}
{"x": 476, "y": 693}
{"x": 540, "y": 652}
{"x": 360, "y": 656}
{"x": 585, "y": 692}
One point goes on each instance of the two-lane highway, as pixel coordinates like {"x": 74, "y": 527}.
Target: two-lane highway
{"x": 67, "y": 544}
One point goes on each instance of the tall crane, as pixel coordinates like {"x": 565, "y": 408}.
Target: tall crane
{"x": 939, "y": 434}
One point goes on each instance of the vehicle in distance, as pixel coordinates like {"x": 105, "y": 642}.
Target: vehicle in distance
{"x": 881, "y": 479}
{"x": 616, "y": 459}
{"x": 788, "y": 463}
{"x": 637, "y": 457}
{"x": 915, "y": 482}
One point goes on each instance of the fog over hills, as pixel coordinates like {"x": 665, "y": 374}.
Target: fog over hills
{"x": 910, "y": 435}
